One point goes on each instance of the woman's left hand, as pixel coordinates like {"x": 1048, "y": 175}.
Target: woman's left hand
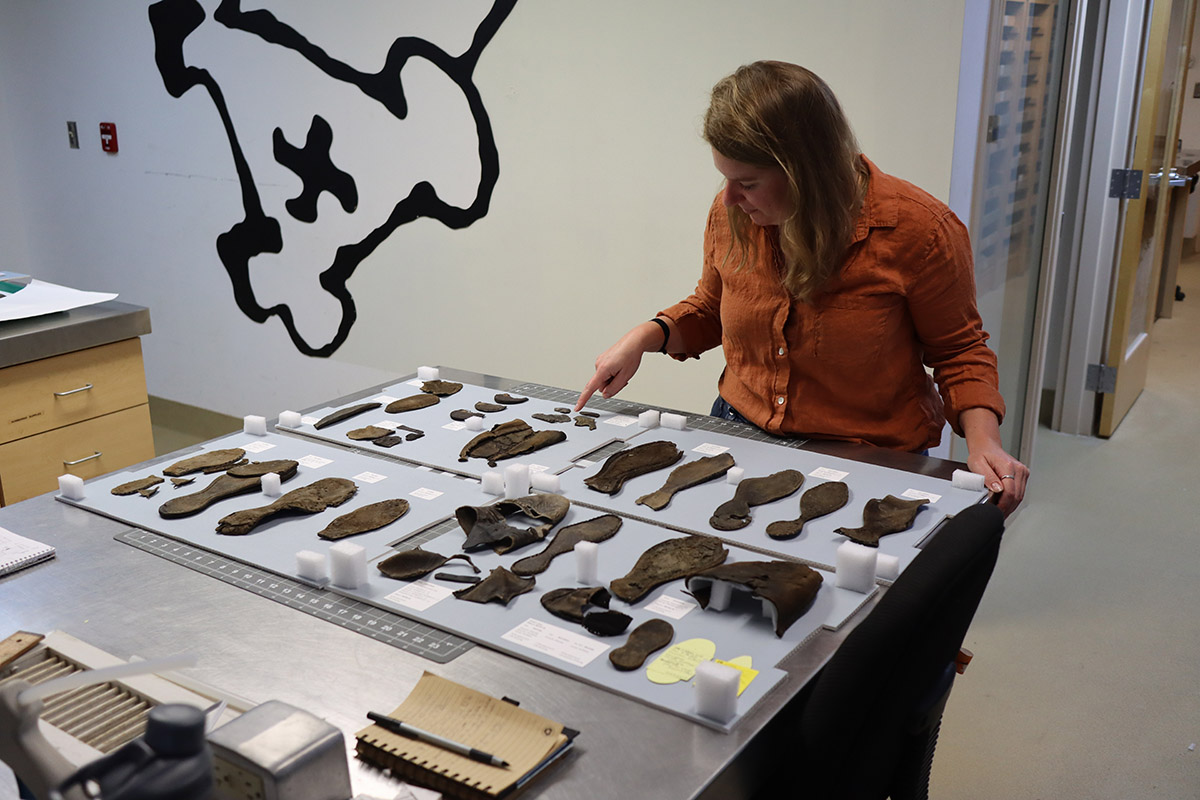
{"x": 1002, "y": 473}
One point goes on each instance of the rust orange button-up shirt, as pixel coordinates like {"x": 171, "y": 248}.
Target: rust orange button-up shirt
{"x": 850, "y": 365}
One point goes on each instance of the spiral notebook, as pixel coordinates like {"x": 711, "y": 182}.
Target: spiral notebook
{"x": 17, "y": 552}
{"x": 529, "y": 742}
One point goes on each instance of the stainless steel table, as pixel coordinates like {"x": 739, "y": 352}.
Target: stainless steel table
{"x": 129, "y": 602}
{"x": 25, "y": 340}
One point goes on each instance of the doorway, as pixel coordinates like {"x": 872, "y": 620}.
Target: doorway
{"x": 1124, "y": 102}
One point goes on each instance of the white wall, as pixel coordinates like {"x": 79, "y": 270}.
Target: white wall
{"x": 12, "y": 212}
{"x": 595, "y": 223}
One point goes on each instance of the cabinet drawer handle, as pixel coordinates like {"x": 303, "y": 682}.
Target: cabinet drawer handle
{"x": 97, "y": 454}
{"x": 73, "y": 391}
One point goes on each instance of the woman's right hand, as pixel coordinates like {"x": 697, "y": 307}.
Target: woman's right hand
{"x": 616, "y": 366}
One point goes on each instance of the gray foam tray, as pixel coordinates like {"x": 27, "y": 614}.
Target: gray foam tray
{"x": 817, "y": 544}
{"x": 274, "y": 544}
{"x": 444, "y": 438}
{"x": 739, "y": 631}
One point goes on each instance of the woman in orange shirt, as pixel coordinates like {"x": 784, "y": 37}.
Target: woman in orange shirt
{"x": 830, "y": 286}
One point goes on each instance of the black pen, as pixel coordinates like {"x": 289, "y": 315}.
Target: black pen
{"x": 404, "y": 729}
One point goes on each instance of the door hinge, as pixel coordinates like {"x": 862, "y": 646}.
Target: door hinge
{"x": 1125, "y": 184}
{"x": 1101, "y": 379}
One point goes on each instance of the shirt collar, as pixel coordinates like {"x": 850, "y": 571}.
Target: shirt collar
{"x": 879, "y": 208}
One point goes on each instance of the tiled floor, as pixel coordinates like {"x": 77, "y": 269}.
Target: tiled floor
{"x": 1086, "y": 678}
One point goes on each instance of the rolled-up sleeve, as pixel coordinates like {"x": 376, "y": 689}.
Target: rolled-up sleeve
{"x": 948, "y": 325}
{"x": 697, "y": 318}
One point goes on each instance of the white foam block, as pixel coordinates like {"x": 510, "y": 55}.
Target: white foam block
{"x": 271, "y": 484}
{"x": 720, "y": 593}
{"x": 427, "y": 373}
{"x": 587, "y": 563}
{"x": 856, "y": 567}
{"x": 70, "y": 486}
{"x": 474, "y": 423}
{"x": 735, "y": 475}
{"x": 290, "y": 419}
{"x": 676, "y": 422}
{"x": 716, "y": 690}
{"x": 648, "y": 419}
{"x": 311, "y": 565}
{"x": 348, "y": 565}
{"x": 544, "y": 481}
{"x": 492, "y": 483}
{"x": 887, "y": 567}
{"x": 254, "y": 425}
{"x": 516, "y": 480}
{"x": 961, "y": 479}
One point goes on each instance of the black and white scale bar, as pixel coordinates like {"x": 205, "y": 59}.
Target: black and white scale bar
{"x": 381, "y": 625}
{"x": 700, "y": 422}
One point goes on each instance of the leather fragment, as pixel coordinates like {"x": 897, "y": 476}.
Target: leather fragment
{"x": 685, "y": 476}
{"x": 632, "y": 462}
{"x": 368, "y": 518}
{"x": 500, "y": 586}
{"x": 342, "y": 414}
{"x": 789, "y": 586}
{"x": 890, "y": 514}
{"x": 667, "y": 561}
{"x": 311, "y": 499}
{"x": 734, "y": 514}
{"x": 824, "y": 498}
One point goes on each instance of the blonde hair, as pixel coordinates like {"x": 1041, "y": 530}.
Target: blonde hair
{"x": 775, "y": 114}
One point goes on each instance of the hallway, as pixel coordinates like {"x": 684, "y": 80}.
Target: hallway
{"x": 1086, "y": 678}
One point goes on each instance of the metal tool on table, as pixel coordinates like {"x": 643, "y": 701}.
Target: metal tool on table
{"x": 158, "y": 747}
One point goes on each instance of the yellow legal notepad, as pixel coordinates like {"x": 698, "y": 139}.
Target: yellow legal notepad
{"x": 527, "y": 741}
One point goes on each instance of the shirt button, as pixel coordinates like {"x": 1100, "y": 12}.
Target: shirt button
{"x": 781, "y": 351}
{"x": 779, "y": 400}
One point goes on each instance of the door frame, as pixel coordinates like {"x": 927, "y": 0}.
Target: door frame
{"x": 1131, "y": 360}
{"x": 1108, "y": 107}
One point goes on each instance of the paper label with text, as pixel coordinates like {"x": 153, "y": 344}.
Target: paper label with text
{"x": 313, "y": 462}
{"x": 709, "y": 449}
{"x": 917, "y": 494}
{"x": 310, "y": 420}
{"x": 621, "y": 420}
{"x": 555, "y": 642}
{"x": 257, "y": 447}
{"x": 828, "y": 474}
{"x": 370, "y": 477}
{"x": 419, "y": 595}
{"x": 425, "y": 494}
{"x": 671, "y": 607}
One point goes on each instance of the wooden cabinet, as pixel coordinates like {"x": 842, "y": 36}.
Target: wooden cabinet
{"x": 85, "y": 412}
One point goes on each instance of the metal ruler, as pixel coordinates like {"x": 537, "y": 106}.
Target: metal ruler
{"x": 699, "y": 422}
{"x": 369, "y": 620}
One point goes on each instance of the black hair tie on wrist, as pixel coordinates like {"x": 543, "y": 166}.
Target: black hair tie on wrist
{"x": 666, "y": 333}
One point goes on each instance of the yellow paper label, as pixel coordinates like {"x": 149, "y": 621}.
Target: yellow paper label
{"x": 678, "y": 662}
{"x": 743, "y": 665}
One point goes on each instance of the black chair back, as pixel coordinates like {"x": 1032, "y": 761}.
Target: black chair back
{"x": 857, "y": 724}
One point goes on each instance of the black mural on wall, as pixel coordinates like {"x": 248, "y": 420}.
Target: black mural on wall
{"x": 258, "y": 233}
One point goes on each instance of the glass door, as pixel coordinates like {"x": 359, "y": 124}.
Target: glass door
{"x": 1012, "y": 188}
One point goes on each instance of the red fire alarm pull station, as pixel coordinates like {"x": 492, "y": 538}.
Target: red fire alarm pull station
{"x": 108, "y": 137}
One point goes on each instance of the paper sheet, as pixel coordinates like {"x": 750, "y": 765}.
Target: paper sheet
{"x": 40, "y": 297}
